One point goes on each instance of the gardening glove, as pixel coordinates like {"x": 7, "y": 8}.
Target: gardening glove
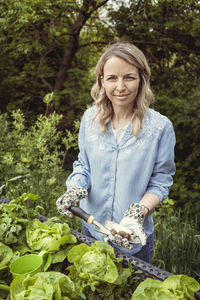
{"x": 73, "y": 196}
{"x": 130, "y": 230}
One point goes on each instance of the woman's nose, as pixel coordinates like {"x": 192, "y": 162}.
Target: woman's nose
{"x": 120, "y": 85}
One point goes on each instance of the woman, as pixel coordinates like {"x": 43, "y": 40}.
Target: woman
{"x": 126, "y": 159}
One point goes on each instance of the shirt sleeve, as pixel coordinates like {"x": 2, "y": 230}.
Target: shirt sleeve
{"x": 81, "y": 169}
{"x": 164, "y": 167}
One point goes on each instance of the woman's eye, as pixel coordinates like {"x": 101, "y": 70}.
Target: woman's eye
{"x": 130, "y": 78}
{"x": 111, "y": 78}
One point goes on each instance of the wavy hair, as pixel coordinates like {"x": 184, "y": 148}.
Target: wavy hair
{"x": 134, "y": 56}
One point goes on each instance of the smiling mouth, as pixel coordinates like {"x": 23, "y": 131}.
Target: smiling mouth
{"x": 121, "y": 95}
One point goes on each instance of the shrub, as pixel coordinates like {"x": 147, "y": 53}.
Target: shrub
{"x": 31, "y": 158}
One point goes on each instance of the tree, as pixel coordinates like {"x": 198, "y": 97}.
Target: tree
{"x": 44, "y": 43}
{"x": 168, "y": 31}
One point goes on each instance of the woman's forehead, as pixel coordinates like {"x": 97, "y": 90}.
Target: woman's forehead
{"x": 118, "y": 65}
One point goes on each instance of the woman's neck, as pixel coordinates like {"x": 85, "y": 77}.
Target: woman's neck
{"x": 121, "y": 118}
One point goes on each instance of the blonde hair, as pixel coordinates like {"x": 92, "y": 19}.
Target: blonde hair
{"x": 133, "y": 56}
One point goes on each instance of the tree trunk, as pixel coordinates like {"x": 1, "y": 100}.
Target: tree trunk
{"x": 73, "y": 45}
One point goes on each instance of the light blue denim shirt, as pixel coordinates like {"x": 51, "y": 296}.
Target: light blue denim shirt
{"x": 117, "y": 175}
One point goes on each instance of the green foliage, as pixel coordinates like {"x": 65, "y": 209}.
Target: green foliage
{"x": 98, "y": 273}
{"x": 33, "y": 39}
{"x": 34, "y": 36}
{"x": 177, "y": 245}
{"x": 15, "y": 215}
{"x": 48, "y": 236}
{"x": 43, "y": 285}
{"x": 175, "y": 287}
{"x": 91, "y": 270}
{"x": 168, "y": 32}
{"x": 6, "y": 254}
{"x": 35, "y": 153}
{"x": 184, "y": 114}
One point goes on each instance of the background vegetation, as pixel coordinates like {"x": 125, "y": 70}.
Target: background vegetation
{"x": 48, "y": 52}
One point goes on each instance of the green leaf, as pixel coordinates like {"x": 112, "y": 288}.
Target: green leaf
{"x": 41, "y": 236}
{"x": 77, "y": 252}
{"x": 175, "y": 287}
{"x": 6, "y": 254}
{"x": 151, "y": 289}
{"x": 182, "y": 283}
{"x": 43, "y": 285}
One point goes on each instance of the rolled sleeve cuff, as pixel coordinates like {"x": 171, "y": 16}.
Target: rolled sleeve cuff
{"x": 78, "y": 180}
{"x": 162, "y": 195}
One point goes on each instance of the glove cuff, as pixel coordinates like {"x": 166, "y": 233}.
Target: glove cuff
{"x": 73, "y": 195}
{"x": 135, "y": 211}
{"x": 76, "y": 192}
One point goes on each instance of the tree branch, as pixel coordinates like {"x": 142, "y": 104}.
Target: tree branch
{"x": 93, "y": 43}
{"x": 98, "y": 6}
{"x": 72, "y": 45}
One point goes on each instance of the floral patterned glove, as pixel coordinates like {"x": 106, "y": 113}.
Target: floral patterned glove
{"x": 130, "y": 230}
{"x": 73, "y": 196}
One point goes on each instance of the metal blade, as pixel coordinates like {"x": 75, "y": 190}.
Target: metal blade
{"x": 103, "y": 229}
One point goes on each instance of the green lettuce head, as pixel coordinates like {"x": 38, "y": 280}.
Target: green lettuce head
{"x": 95, "y": 263}
{"x": 48, "y": 236}
{"x": 175, "y": 287}
{"x": 43, "y": 285}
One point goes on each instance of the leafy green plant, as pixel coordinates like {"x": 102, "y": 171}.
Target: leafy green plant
{"x": 98, "y": 273}
{"x": 177, "y": 244}
{"x": 6, "y": 254}
{"x": 43, "y": 285}
{"x": 15, "y": 215}
{"x": 175, "y": 287}
{"x": 53, "y": 237}
{"x": 186, "y": 188}
{"x": 48, "y": 236}
{"x": 89, "y": 271}
{"x": 32, "y": 158}
{"x": 73, "y": 271}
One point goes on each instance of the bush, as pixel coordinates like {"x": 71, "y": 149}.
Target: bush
{"x": 32, "y": 158}
{"x": 184, "y": 114}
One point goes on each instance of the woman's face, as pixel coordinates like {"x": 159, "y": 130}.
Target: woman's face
{"x": 121, "y": 82}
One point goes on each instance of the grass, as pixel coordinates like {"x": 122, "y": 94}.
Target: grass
{"x": 177, "y": 245}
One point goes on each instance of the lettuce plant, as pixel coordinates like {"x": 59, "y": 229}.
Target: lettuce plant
{"x": 43, "y": 285}
{"x": 55, "y": 238}
{"x": 96, "y": 268}
{"x": 15, "y": 215}
{"x": 175, "y": 287}
{"x": 6, "y": 254}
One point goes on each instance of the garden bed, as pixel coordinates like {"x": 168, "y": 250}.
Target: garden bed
{"x": 147, "y": 269}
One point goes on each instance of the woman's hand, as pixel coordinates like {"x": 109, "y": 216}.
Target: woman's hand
{"x": 130, "y": 230}
{"x": 73, "y": 196}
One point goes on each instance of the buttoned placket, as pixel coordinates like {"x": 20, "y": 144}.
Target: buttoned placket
{"x": 113, "y": 166}
{"x": 112, "y": 182}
